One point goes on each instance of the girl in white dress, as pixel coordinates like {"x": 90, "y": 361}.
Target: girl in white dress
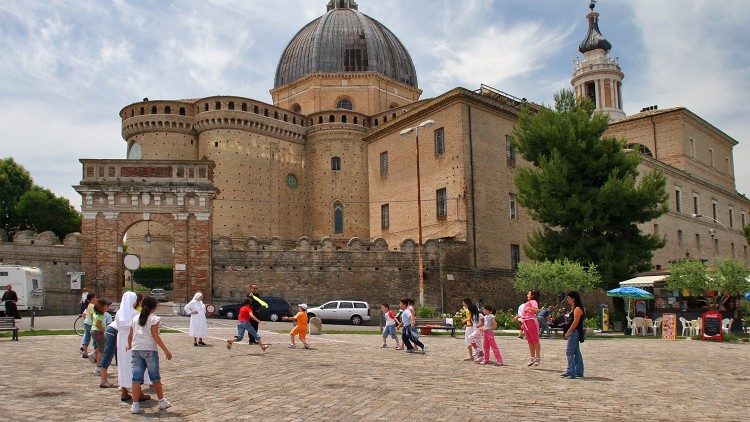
{"x": 123, "y": 318}
{"x": 198, "y": 325}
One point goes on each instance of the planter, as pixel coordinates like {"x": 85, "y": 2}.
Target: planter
{"x": 589, "y": 331}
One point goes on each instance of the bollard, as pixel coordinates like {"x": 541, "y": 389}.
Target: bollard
{"x": 316, "y": 326}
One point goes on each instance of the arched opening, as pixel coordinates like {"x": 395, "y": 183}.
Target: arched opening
{"x": 153, "y": 110}
{"x": 230, "y": 105}
{"x": 256, "y": 109}
{"x": 296, "y": 108}
{"x": 143, "y": 110}
{"x": 244, "y": 107}
{"x": 335, "y": 163}
{"x": 167, "y": 110}
{"x": 344, "y": 104}
{"x": 134, "y": 152}
{"x": 343, "y": 119}
{"x": 132, "y": 112}
{"x": 354, "y": 120}
{"x": 275, "y": 114}
{"x": 182, "y": 111}
{"x": 643, "y": 149}
{"x": 205, "y": 107}
{"x": 320, "y": 119}
{"x": 338, "y": 218}
{"x": 217, "y": 106}
{"x": 154, "y": 245}
{"x": 331, "y": 118}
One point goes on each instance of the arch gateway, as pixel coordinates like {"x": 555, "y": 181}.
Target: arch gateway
{"x": 117, "y": 194}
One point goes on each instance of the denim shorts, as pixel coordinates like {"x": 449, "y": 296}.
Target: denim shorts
{"x": 86, "y": 335}
{"x": 110, "y": 346}
{"x": 389, "y": 329}
{"x": 143, "y": 360}
{"x": 245, "y": 326}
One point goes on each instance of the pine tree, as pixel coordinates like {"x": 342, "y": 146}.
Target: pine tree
{"x": 586, "y": 191}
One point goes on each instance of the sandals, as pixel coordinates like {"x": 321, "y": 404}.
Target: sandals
{"x": 201, "y": 343}
{"x": 144, "y": 397}
{"x": 195, "y": 344}
{"x": 229, "y": 345}
{"x": 264, "y": 347}
{"x": 126, "y": 398}
{"x": 107, "y": 385}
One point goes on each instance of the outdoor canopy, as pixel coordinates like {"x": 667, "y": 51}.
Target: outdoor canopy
{"x": 630, "y": 293}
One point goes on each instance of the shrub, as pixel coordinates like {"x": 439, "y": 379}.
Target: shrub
{"x": 426, "y": 312}
{"x": 154, "y": 276}
{"x": 505, "y": 319}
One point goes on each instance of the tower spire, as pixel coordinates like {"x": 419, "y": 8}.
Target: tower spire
{"x": 598, "y": 77}
{"x": 341, "y": 4}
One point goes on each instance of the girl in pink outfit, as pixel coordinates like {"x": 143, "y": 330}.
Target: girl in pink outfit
{"x": 531, "y": 326}
{"x": 489, "y": 336}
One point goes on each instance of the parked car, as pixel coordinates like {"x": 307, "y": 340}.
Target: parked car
{"x": 342, "y": 310}
{"x": 159, "y": 294}
{"x": 277, "y": 308}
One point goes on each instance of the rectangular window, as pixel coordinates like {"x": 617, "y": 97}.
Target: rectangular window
{"x": 713, "y": 210}
{"x": 677, "y": 200}
{"x": 439, "y": 141}
{"x": 695, "y": 204}
{"x": 441, "y": 203}
{"x": 731, "y": 218}
{"x": 710, "y": 157}
{"x": 385, "y": 216}
{"x": 515, "y": 256}
{"x": 716, "y": 246}
{"x": 698, "y": 242}
{"x": 743, "y": 219}
{"x": 384, "y": 163}
{"x": 512, "y": 205}
{"x": 692, "y": 148}
{"x": 734, "y": 252}
{"x": 679, "y": 238}
{"x": 510, "y": 150}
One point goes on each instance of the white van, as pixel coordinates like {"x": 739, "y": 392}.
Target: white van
{"x": 24, "y": 280}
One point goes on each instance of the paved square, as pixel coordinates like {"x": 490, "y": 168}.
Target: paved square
{"x": 348, "y": 377}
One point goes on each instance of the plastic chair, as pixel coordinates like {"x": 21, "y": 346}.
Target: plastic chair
{"x": 657, "y": 326}
{"x": 638, "y": 326}
{"x": 686, "y": 327}
{"x": 726, "y": 325}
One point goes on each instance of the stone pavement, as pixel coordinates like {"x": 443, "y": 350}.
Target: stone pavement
{"x": 348, "y": 377}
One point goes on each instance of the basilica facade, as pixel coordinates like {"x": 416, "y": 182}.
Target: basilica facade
{"x": 244, "y": 190}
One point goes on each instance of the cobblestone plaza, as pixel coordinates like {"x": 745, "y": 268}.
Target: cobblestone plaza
{"x": 348, "y": 377}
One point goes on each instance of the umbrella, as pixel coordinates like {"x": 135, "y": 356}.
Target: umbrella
{"x": 630, "y": 293}
{"x": 747, "y": 296}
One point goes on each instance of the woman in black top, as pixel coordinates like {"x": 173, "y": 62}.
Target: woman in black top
{"x": 574, "y": 335}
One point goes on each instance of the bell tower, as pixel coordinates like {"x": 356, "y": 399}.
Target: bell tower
{"x": 598, "y": 76}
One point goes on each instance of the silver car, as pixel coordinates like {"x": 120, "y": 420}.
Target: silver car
{"x": 342, "y": 310}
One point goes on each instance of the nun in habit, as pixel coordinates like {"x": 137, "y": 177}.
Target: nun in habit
{"x": 123, "y": 319}
{"x": 198, "y": 325}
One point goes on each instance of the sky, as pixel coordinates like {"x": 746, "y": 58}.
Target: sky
{"x": 68, "y": 67}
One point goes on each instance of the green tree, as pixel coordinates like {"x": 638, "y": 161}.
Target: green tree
{"x": 586, "y": 190}
{"x": 154, "y": 276}
{"x": 731, "y": 277}
{"x": 14, "y": 182}
{"x": 692, "y": 275}
{"x": 746, "y": 229}
{"x": 40, "y": 210}
{"x": 555, "y": 276}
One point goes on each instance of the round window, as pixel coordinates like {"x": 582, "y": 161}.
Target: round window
{"x": 291, "y": 181}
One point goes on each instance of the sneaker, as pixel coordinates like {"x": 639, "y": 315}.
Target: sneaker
{"x": 384, "y": 346}
{"x": 135, "y": 407}
{"x": 537, "y": 361}
{"x": 97, "y": 371}
{"x": 292, "y": 346}
{"x": 164, "y": 403}
{"x": 424, "y": 349}
{"x": 531, "y": 362}
{"x": 409, "y": 350}
{"x": 483, "y": 363}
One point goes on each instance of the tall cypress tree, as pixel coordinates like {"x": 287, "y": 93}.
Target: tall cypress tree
{"x": 586, "y": 191}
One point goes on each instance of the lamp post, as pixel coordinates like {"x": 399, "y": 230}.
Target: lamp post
{"x": 420, "y": 257}
{"x": 712, "y": 232}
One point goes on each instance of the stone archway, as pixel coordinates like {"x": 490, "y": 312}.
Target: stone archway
{"x": 120, "y": 193}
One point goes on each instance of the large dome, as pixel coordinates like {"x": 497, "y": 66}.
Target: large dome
{"x": 345, "y": 40}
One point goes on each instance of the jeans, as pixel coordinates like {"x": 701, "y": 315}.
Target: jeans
{"x": 143, "y": 360}
{"x": 573, "y": 352}
{"x": 543, "y": 326}
{"x": 110, "y": 346}
{"x": 407, "y": 338}
{"x": 86, "y": 335}
{"x": 389, "y": 330}
{"x": 251, "y": 333}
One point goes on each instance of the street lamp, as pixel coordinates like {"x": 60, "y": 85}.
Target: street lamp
{"x": 710, "y": 219}
{"x": 712, "y": 232}
{"x": 148, "y": 238}
{"x": 406, "y": 132}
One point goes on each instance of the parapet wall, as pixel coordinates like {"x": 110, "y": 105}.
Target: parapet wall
{"x": 54, "y": 258}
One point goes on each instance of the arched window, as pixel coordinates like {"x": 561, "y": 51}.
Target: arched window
{"x": 641, "y": 149}
{"x": 217, "y": 106}
{"x": 265, "y": 112}
{"x": 344, "y": 104}
{"x": 256, "y": 110}
{"x": 230, "y": 105}
{"x": 134, "y": 152}
{"x": 335, "y": 163}
{"x": 182, "y": 111}
{"x": 167, "y": 110}
{"x": 385, "y": 119}
{"x": 285, "y": 118}
{"x": 331, "y": 118}
{"x": 132, "y": 112}
{"x": 143, "y": 110}
{"x": 244, "y": 106}
{"x": 343, "y": 119}
{"x": 354, "y": 120}
{"x": 338, "y": 218}
{"x": 205, "y": 107}
{"x": 320, "y": 119}
{"x": 376, "y": 122}
{"x": 275, "y": 114}
{"x": 153, "y": 110}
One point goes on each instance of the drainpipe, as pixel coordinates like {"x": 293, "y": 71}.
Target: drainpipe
{"x": 653, "y": 128}
{"x": 473, "y": 193}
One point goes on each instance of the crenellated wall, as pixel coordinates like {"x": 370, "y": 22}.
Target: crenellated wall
{"x": 54, "y": 258}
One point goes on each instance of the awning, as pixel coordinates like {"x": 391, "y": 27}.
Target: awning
{"x": 643, "y": 281}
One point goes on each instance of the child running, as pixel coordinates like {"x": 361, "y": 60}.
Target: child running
{"x": 301, "y": 328}
{"x": 409, "y": 334}
{"x": 489, "y": 336}
{"x": 390, "y": 326}
{"x": 142, "y": 340}
{"x": 243, "y": 324}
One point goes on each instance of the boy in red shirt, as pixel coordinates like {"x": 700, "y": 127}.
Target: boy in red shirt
{"x": 246, "y": 314}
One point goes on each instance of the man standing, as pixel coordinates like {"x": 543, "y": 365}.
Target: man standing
{"x": 257, "y": 303}
{"x": 10, "y": 298}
